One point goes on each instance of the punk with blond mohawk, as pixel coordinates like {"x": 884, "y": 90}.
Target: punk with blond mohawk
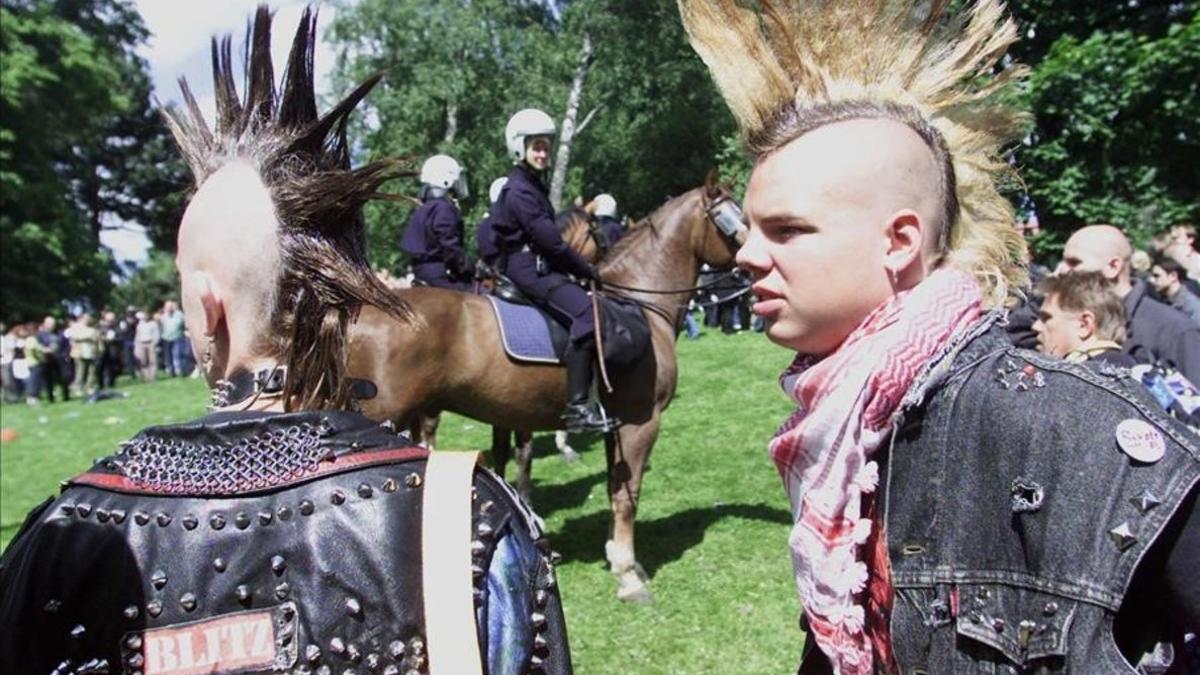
{"x": 937, "y": 475}
{"x": 786, "y": 68}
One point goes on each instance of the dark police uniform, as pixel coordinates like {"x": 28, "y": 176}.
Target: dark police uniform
{"x": 434, "y": 242}
{"x": 265, "y": 542}
{"x": 524, "y": 228}
{"x": 611, "y": 229}
{"x": 485, "y": 240}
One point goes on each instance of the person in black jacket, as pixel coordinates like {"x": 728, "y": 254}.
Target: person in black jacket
{"x": 283, "y": 532}
{"x": 433, "y": 239}
{"x": 542, "y": 265}
{"x": 1154, "y": 332}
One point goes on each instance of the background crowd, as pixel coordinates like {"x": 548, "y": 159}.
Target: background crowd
{"x": 84, "y": 357}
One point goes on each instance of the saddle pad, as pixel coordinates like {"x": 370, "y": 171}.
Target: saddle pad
{"x": 528, "y": 333}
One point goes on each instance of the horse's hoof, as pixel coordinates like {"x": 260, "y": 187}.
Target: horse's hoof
{"x": 569, "y": 456}
{"x": 632, "y": 589}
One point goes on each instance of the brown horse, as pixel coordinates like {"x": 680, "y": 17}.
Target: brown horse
{"x": 452, "y": 357}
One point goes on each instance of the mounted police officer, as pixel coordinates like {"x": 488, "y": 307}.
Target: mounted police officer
{"x": 485, "y": 236}
{"x": 606, "y": 220}
{"x": 434, "y": 236}
{"x": 535, "y": 257}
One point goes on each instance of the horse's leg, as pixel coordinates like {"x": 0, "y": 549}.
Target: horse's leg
{"x": 424, "y": 429}
{"x": 565, "y": 451}
{"x": 501, "y": 449}
{"x": 627, "y": 452}
{"x": 524, "y": 465}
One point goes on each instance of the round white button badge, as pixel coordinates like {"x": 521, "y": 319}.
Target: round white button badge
{"x": 1141, "y": 441}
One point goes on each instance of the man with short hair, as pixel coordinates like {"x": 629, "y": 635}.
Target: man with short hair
{"x": 54, "y": 370}
{"x": 1081, "y": 319}
{"x": 959, "y": 505}
{"x": 1168, "y": 278}
{"x": 1181, "y": 247}
{"x": 173, "y": 341}
{"x": 283, "y": 532}
{"x": 1154, "y": 332}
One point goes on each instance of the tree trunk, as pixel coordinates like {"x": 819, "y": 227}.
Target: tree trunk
{"x": 563, "y": 157}
{"x": 451, "y": 122}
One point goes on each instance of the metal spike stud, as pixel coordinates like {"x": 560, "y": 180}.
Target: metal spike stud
{"x": 243, "y": 593}
{"x": 538, "y": 619}
{"x": 353, "y": 607}
{"x": 154, "y": 608}
{"x": 312, "y": 653}
{"x": 217, "y": 521}
{"x": 1145, "y": 501}
{"x": 337, "y": 498}
{"x": 390, "y": 485}
{"x": 164, "y": 519}
{"x": 68, "y": 509}
{"x": 372, "y": 662}
{"x": 396, "y": 649}
{"x": 541, "y": 597}
{"x": 353, "y": 653}
{"x": 159, "y": 579}
{"x": 391, "y": 669}
{"x": 265, "y": 518}
{"x": 219, "y": 564}
{"x": 413, "y": 480}
{"x": 1122, "y": 536}
{"x": 278, "y": 564}
{"x": 282, "y": 591}
{"x": 284, "y": 512}
{"x": 78, "y": 631}
{"x": 102, "y": 515}
{"x": 187, "y": 601}
{"x": 484, "y": 530}
{"x": 84, "y": 510}
{"x": 134, "y": 642}
{"x": 417, "y": 646}
{"x": 118, "y": 516}
{"x": 141, "y": 517}
{"x": 241, "y": 520}
{"x": 478, "y": 547}
{"x": 486, "y": 507}
{"x": 131, "y": 612}
{"x": 52, "y": 606}
{"x": 365, "y": 491}
{"x": 190, "y": 522}
{"x": 306, "y": 508}
{"x": 337, "y": 646}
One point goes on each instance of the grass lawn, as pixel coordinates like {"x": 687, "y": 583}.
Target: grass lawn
{"x": 712, "y": 525}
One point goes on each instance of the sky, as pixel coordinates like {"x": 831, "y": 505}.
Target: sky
{"x": 179, "y": 46}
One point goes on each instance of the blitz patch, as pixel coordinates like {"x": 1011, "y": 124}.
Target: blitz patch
{"x": 241, "y": 642}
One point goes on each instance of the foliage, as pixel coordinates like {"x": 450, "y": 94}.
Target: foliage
{"x": 79, "y": 147}
{"x": 712, "y": 529}
{"x": 148, "y": 286}
{"x": 657, "y": 121}
{"x": 1114, "y": 91}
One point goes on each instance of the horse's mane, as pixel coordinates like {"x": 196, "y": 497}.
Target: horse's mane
{"x": 621, "y": 257}
{"x": 304, "y": 162}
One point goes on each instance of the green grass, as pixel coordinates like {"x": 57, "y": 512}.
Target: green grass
{"x": 712, "y": 525}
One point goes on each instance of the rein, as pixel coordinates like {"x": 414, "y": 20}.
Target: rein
{"x": 690, "y": 289}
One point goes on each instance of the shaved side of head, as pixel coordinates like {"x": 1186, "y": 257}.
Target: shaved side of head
{"x": 230, "y": 233}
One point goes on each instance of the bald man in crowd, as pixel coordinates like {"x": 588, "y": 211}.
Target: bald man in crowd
{"x": 1153, "y": 331}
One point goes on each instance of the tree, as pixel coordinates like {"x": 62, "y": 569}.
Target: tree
{"x": 1114, "y": 94}
{"x": 76, "y": 142}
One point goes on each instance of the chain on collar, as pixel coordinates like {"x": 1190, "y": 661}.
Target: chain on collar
{"x": 271, "y": 457}
{"x": 242, "y": 385}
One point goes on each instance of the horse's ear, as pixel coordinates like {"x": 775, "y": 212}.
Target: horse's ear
{"x": 712, "y": 183}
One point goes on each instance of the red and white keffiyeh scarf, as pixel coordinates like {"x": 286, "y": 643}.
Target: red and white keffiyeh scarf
{"x": 845, "y": 404}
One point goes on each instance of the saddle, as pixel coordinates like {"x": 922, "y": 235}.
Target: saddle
{"x": 531, "y": 335}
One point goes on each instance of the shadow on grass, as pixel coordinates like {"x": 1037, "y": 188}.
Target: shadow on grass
{"x": 660, "y": 541}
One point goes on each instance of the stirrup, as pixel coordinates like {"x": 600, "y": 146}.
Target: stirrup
{"x": 584, "y": 417}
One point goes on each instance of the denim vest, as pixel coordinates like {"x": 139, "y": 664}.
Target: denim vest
{"x": 1014, "y": 520}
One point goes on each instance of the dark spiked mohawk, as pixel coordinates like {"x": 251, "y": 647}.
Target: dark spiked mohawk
{"x": 304, "y": 161}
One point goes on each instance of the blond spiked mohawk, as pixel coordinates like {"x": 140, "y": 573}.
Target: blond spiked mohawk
{"x": 786, "y": 68}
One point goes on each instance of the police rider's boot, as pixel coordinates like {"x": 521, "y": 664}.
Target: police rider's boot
{"x": 583, "y": 414}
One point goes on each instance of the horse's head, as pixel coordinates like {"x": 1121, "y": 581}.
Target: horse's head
{"x": 719, "y": 230}
{"x": 576, "y": 227}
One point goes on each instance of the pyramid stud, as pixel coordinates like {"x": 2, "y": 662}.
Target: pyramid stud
{"x": 1145, "y": 501}
{"x": 1122, "y": 536}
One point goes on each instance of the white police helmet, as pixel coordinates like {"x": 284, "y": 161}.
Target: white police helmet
{"x": 443, "y": 171}
{"x": 605, "y": 205}
{"x": 526, "y": 124}
{"x": 495, "y": 188}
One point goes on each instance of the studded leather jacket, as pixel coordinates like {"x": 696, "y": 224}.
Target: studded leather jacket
{"x": 1016, "y": 522}
{"x": 268, "y": 543}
